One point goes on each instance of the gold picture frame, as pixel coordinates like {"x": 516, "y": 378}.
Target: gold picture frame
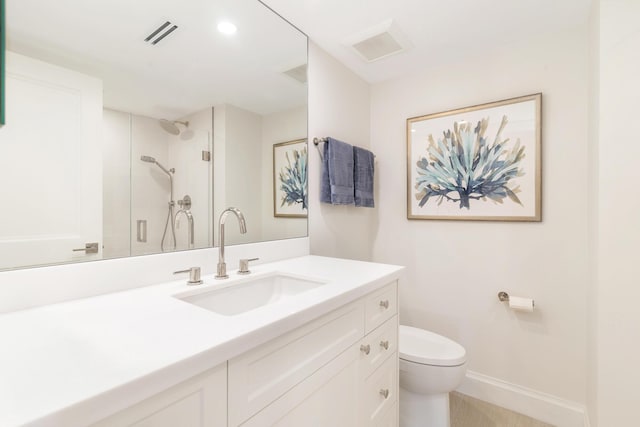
{"x": 290, "y": 188}
{"x": 481, "y": 163}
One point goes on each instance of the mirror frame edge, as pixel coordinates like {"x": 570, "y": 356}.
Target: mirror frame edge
{"x": 2, "y": 62}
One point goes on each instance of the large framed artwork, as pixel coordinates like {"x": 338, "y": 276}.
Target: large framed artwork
{"x": 290, "y": 191}
{"x": 477, "y": 163}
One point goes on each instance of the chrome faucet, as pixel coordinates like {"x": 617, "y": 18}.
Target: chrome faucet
{"x": 222, "y": 266}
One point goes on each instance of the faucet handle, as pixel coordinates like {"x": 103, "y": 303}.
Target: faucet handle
{"x": 194, "y": 275}
{"x": 244, "y": 265}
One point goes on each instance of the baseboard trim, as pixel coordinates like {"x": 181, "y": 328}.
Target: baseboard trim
{"x": 541, "y": 406}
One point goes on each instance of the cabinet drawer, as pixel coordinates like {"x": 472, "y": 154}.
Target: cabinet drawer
{"x": 378, "y": 345}
{"x": 380, "y": 391}
{"x": 381, "y": 306}
{"x": 260, "y": 376}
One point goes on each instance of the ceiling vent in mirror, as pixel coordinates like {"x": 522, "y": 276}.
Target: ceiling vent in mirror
{"x": 380, "y": 41}
{"x": 298, "y": 73}
{"x": 160, "y": 33}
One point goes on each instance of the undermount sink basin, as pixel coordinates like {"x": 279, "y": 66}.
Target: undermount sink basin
{"x": 252, "y": 294}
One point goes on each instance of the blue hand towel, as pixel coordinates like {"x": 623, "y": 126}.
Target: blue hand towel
{"x": 363, "y": 170}
{"x": 337, "y": 173}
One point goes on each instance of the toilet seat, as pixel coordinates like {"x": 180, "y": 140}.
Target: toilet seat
{"x": 427, "y": 348}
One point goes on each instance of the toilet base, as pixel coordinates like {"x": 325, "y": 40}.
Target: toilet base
{"x": 424, "y": 410}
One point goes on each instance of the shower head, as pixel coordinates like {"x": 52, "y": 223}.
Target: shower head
{"x": 171, "y": 126}
{"x": 150, "y": 159}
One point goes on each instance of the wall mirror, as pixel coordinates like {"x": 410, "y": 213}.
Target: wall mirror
{"x": 131, "y": 125}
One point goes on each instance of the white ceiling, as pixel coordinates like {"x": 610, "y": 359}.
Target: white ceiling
{"x": 197, "y": 67}
{"x": 440, "y": 30}
{"x": 192, "y": 69}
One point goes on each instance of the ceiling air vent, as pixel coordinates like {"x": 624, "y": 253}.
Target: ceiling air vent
{"x": 379, "y": 42}
{"x": 298, "y": 73}
{"x": 160, "y": 33}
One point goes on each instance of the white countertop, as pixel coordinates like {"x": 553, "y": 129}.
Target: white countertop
{"x": 77, "y": 362}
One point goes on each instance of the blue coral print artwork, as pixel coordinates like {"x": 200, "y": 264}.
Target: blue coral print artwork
{"x": 462, "y": 166}
{"x": 290, "y": 180}
{"x": 477, "y": 163}
{"x": 293, "y": 179}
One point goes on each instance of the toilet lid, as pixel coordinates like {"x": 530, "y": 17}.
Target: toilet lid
{"x": 427, "y": 348}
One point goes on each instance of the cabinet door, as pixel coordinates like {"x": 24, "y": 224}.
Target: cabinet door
{"x": 328, "y": 398}
{"x": 388, "y": 419}
{"x": 262, "y": 375}
{"x": 198, "y": 402}
{"x": 334, "y": 404}
{"x": 379, "y": 392}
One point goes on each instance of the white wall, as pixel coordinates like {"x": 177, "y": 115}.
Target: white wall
{"x": 243, "y": 170}
{"x": 219, "y": 166}
{"x": 279, "y": 127}
{"x": 455, "y": 269}
{"x": 338, "y": 107}
{"x": 243, "y": 158}
{"x": 116, "y": 191}
{"x": 149, "y": 184}
{"x": 594, "y": 126}
{"x": 618, "y": 235}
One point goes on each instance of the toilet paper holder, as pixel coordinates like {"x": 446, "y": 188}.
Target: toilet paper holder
{"x": 503, "y": 296}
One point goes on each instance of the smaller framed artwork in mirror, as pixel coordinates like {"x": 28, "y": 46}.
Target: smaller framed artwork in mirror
{"x": 290, "y": 190}
{"x": 476, "y": 163}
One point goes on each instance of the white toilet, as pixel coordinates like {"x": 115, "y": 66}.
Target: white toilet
{"x": 430, "y": 367}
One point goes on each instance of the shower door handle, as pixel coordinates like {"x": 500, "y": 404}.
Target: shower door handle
{"x": 89, "y": 248}
{"x": 141, "y": 226}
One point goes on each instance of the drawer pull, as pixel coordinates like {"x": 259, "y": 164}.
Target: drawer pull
{"x": 366, "y": 349}
{"x": 384, "y": 344}
{"x": 384, "y": 304}
{"x": 384, "y": 392}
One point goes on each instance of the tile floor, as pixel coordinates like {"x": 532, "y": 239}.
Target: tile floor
{"x": 469, "y": 412}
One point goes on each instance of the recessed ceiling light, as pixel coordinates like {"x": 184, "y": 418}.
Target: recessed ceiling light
{"x": 227, "y": 28}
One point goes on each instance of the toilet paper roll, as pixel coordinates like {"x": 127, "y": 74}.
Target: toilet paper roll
{"x": 521, "y": 304}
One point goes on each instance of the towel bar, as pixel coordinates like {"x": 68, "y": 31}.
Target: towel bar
{"x": 317, "y": 141}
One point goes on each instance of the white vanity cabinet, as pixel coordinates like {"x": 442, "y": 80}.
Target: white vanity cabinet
{"x": 340, "y": 370}
{"x": 379, "y": 359}
{"x": 198, "y": 402}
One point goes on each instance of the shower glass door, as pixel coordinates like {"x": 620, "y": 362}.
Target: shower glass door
{"x": 140, "y": 218}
